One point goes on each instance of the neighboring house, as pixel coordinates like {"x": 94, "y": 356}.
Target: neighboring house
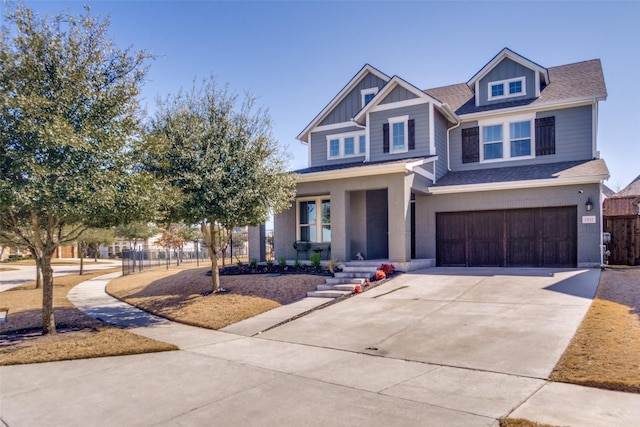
{"x": 500, "y": 171}
{"x": 622, "y": 219}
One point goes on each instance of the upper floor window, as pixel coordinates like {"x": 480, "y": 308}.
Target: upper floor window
{"x": 520, "y": 134}
{"x": 507, "y": 88}
{"x": 506, "y": 140}
{"x": 399, "y": 131}
{"x": 398, "y": 135}
{"x": 492, "y": 142}
{"x": 346, "y": 145}
{"x": 368, "y": 94}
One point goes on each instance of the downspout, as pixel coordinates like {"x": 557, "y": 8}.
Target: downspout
{"x": 448, "y": 142}
{"x": 594, "y": 130}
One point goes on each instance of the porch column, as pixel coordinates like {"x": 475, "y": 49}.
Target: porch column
{"x": 340, "y": 218}
{"x": 257, "y": 238}
{"x": 399, "y": 199}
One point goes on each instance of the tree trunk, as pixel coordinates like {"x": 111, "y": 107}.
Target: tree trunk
{"x": 48, "y": 320}
{"x": 215, "y": 274}
{"x": 38, "y": 276}
{"x": 81, "y": 261}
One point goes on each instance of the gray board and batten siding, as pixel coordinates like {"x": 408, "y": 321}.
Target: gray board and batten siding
{"x": 398, "y": 94}
{"x": 419, "y": 112}
{"x": 507, "y": 69}
{"x": 573, "y": 140}
{"x": 352, "y": 102}
{"x": 441, "y": 127}
{"x": 318, "y": 147}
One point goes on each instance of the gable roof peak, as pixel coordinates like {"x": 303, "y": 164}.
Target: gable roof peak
{"x": 510, "y": 54}
{"x": 367, "y": 68}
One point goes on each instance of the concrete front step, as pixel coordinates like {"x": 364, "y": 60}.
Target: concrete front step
{"x": 359, "y": 269}
{"x": 343, "y": 275}
{"x": 327, "y": 294}
{"x": 343, "y": 281}
{"x": 343, "y": 287}
{"x": 375, "y": 263}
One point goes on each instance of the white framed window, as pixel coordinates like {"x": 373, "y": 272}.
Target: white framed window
{"x": 398, "y": 134}
{"x": 314, "y": 219}
{"x": 367, "y": 95}
{"x": 520, "y": 137}
{"x": 343, "y": 145}
{"x": 506, "y": 139}
{"x": 492, "y": 142}
{"x": 509, "y": 88}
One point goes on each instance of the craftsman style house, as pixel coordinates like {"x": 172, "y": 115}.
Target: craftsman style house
{"x": 502, "y": 170}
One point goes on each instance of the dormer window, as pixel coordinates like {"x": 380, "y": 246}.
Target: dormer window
{"x": 368, "y": 94}
{"x": 507, "y": 88}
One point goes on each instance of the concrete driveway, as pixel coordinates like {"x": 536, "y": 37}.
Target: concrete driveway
{"x": 454, "y": 347}
{"x": 512, "y": 321}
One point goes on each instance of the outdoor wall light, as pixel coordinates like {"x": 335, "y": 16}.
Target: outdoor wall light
{"x": 589, "y": 204}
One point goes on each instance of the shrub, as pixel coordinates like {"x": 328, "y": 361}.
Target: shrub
{"x": 253, "y": 262}
{"x": 296, "y": 263}
{"x": 388, "y": 269}
{"x": 357, "y": 289}
{"x": 239, "y": 264}
{"x": 380, "y": 275}
{"x": 269, "y": 263}
{"x": 282, "y": 262}
{"x": 315, "y": 259}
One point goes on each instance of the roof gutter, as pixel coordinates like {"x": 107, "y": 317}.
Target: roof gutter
{"x": 575, "y": 102}
{"x": 514, "y": 185}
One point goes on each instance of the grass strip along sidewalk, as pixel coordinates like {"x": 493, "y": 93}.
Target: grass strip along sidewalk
{"x": 605, "y": 351}
{"x": 78, "y": 337}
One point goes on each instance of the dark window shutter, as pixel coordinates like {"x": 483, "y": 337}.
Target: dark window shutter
{"x": 471, "y": 145}
{"x": 412, "y": 134}
{"x": 545, "y": 136}
{"x": 385, "y": 137}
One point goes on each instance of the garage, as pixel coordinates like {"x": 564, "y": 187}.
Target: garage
{"x": 541, "y": 237}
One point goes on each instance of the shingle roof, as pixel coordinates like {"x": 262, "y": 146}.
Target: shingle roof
{"x": 633, "y": 189}
{"x": 572, "y": 81}
{"x": 333, "y": 167}
{"x": 607, "y": 191}
{"x": 582, "y": 168}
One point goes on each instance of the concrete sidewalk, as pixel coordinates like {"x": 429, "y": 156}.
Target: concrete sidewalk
{"x": 20, "y": 274}
{"x": 276, "y": 378}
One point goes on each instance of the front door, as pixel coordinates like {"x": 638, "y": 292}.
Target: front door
{"x": 377, "y": 224}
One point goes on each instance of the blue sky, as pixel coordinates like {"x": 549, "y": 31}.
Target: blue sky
{"x": 295, "y": 56}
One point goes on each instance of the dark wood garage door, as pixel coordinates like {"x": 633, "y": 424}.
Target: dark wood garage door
{"x": 545, "y": 237}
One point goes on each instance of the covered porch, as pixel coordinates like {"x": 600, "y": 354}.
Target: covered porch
{"x": 370, "y": 214}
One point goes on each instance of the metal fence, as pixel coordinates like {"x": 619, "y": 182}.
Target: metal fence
{"x": 145, "y": 259}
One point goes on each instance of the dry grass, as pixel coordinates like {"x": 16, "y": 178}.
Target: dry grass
{"x": 185, "y": 295}
{"x": 79, "y": 336}
{"x": 518, "y": 422}
{"x": 605, "y": 351}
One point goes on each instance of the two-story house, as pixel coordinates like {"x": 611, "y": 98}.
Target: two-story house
{"x": 502, "y": 170}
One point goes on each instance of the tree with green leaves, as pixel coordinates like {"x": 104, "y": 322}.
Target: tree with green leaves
{"x": 221, "y": 155}
{"x": 135, "y": 231}
{"x": 92, "y": 238}
{"x": 68, "y": 123}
